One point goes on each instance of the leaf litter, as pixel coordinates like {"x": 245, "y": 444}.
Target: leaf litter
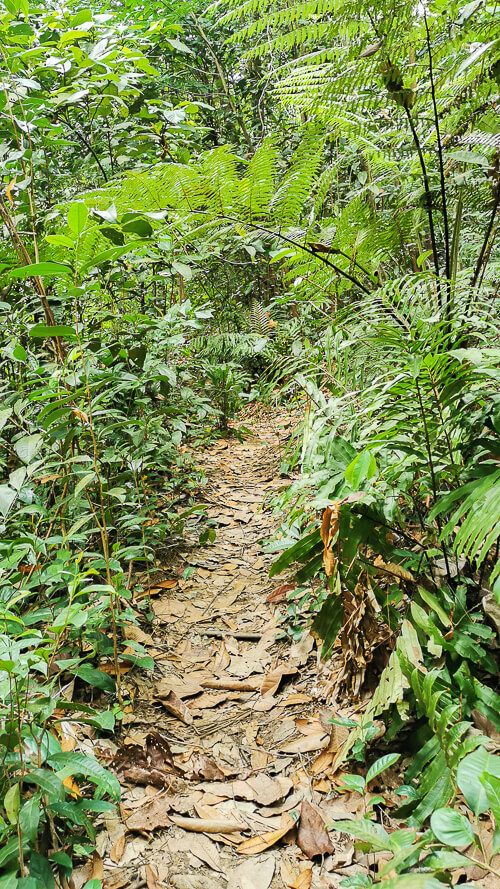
{"x": 230, "y": 761}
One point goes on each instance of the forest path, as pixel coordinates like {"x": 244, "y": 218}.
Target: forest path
{"x": 231, "y": 730}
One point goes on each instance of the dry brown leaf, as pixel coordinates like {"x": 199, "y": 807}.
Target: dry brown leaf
{"x": 164, "y": 585}
{"x": 393, "y": 569}
{"x": 259, "y": 759}
{"x": 168, "y": 610}
{"x": 303, "y": 881}
{"x": 207, "y": 825}
{"x": 328, "y": 530}
{"x": 253, "y": 874}
{"x": 486, "y": 726}
{"x": 258, "y": 844}
{"x": 279, "y": 594}
{"x": 130, "y": 631}
{"x": 118, "y": 848}
{"x": 222, "y": 658}
{"x": 81, "y": 415}
{"x": 273, "y": 679}
{"x": 307, "y": 744}
{"x": 151, "y": 816}
{"x": 262, "y": 789}
{"x": 322, "y": 762}
{"x": 288, "y": 871}
{"x": 198, "y": 845}
{"x": 186, "y": 687}
{"x": 151, "y": 877}
{"x": 206, "y": 701}
{"x": 312, "y": 836}
{"x": 97, "y": 866}
{"x": 109, "y": 668}
{"x": 199, "y": 765}
{"x": 177, "y": 708}
{"x": 296, "y": 698}
{"x": 232, "y": 684}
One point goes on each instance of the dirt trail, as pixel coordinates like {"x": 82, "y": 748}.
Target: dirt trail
{"x": 231, "y": 727}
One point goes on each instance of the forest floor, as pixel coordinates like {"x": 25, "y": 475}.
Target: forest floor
{"x": 226, "y": 752}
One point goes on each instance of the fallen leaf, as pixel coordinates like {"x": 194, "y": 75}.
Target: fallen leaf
{"x": 303, "y": 881}
{"x": 222, "y": 658}
{"x": 193, "y": 881}
{"x": 312, "y": 836}
{"x": 153, "y": 765}
{"x": 130, "y": 631}
{"x": 118, "y": 848}
{"x": 200, "y": 846}
{"x": 183, "y": 688}
{"x": 486, "y": 726}
{"x": 164, "y": 585}
{"x": 296, "y": 698}
{"x": 279, "y": 594}
{"x": 168, "y": 610}
{"x": 258, "y": 844}
{"x": 151, "y": 816}
{"x": 151, "y": 877}
{"x": 199, "y": 765}
{"x": 307, "y": 744}
{"x": 253, "y": 874}
{"x": 232, "y": 684}
{"x": 300, "y": 651}
{"x": 177, "y": 708}
{"x": 273, "y": 679}
{"x": 207, "y": 825}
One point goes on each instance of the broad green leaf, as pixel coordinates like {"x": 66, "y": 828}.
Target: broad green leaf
{"x": 109, "y": 215}
{"x": 11, "y": 802}
{"x": 354, "y": 782}
{"x": 112, "y": 234}
{"x": 381, "y": 765}
{"x": 491, "y": 784}
{"x": 469, "y": 772}
{"x": 16, "y": 478}
{"x": 447, "y": 860}
{"x": 7, "y": 497}
{"x": 27, "y": 448}
{"x": 412, "y": 881}
{"x": 48, "y": 782}
{"x": 95, "y": 677}
{"x": 451, "y": 828}
{"x": 84, "y": 15}
{"x": 367, "y": 832}
{"x": 179, "y": 45}
{"x": 183, "y": 270}
{"x": 362, "y": 467}
{"x": 45, "y": 331}
{"x": 139, "y": 226}
{"x": 60, "y": 241}
{"x": 9, "y": 851}
{"x": 41, "y": 270}
{"x": 29, "y": 817}
{"x": 19, "y": 353}
{"x": 69, "y": 764}
{"x": 77, "y": 217}
{"x": 4, "y": 416}
{"x": 41, "y": 871}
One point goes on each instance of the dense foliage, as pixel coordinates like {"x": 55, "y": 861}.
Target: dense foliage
{"x": 202, "y": 206}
